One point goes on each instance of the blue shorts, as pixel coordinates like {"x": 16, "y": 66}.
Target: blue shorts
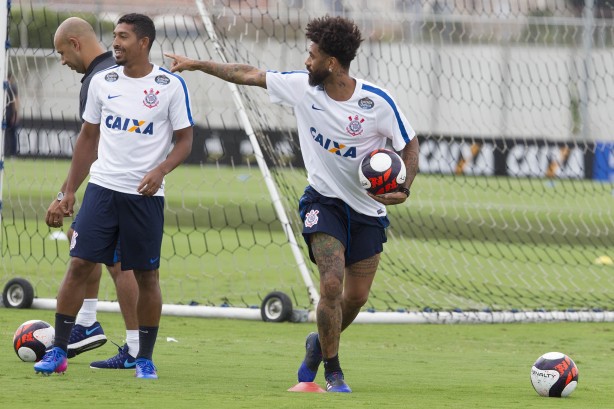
{"x": 116, "y": 254}
{"x": 363, "y": 236}
{"x": 107, "y": 216}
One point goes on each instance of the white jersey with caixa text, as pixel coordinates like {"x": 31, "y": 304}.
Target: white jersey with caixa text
{"x": 137, "y": 117}
{"x": 336, "y": 135}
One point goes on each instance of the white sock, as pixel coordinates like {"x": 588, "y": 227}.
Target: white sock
{"x": 132, "y": 339}
{"x": 87, "y": 313}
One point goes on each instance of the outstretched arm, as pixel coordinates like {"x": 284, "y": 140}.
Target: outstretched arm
{"x": 241, "y": 74}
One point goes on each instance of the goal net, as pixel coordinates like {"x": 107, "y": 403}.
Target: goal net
{"x": 511, "y": 212}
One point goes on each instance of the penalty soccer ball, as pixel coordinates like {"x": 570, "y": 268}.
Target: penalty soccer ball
{"x": 555, "y": 375}
{"x": 381, "y": 171}
{"x": 32, "y": 339}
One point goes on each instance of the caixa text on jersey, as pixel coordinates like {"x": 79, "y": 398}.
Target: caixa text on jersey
{"x": 129, "y": 125}
{"x": 333, "y": 146}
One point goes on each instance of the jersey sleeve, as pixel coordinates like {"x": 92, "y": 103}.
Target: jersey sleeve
{"x": 286, "y": 88}
{"x": 93, "y": 105}
{"x": 394, "y": 124}
{"x": 180, "y": 113}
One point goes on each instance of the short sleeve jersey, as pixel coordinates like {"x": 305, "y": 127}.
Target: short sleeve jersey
{"x": 137, "y": 117}
{"x": 336, "y": 135}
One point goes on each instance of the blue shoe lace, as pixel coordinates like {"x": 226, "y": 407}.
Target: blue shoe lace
{"x": 123, "y": 360}
{"x": 145, "y": 368}
{"x": 51, "y": 361}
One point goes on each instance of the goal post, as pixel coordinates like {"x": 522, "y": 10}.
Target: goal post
{"x": 4, "y": 21}
{"x": 509, "y": 219}
{"x": 270, "y": 183}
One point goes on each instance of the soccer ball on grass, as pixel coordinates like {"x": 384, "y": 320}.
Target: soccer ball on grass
{"x": 32, "y": 339}
{"x": 554, "y": 374}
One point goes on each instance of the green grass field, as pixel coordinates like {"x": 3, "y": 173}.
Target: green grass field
{"x": 469, "y": 242}
{"x": 245, "y": 364}
{"x": 459, "y": 242}
{"x": 203, "y": 259}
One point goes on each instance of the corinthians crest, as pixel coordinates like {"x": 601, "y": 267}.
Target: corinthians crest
{"x": 311, "y": 218}
{"x": 151, "y": 99}
{"x": 355, "y": 126}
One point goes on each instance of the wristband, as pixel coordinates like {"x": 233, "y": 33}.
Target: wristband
{"x": 404, "y": 190}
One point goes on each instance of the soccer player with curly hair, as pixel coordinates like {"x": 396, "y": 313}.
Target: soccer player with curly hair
{"x": 340, "y": 119}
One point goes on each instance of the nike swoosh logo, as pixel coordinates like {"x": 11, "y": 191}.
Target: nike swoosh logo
{"x": 88, "y": 332}
{"x": 112, "y": 96}
{"x": 153, "y": 260}
{"x": 313, "y": 106}
{"x": 129, "y": 364}
{"x": 69, "y": 322}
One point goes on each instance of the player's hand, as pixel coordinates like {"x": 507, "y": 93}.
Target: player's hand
{"x": 180, "y": 63}
{"x": 54, "y": 216}
{"x": 67, "y": 204}
{"x": 151, "y": 182}
{"x": 392, "y": 198}
{"x": 59, "y": 209}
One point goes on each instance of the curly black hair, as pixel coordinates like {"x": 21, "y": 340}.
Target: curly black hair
{"x": 335, "y": 36}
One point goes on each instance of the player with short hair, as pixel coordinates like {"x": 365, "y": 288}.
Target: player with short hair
{"x": 76, "y": 43}
{"x": 134, "y": 108}
{"x": 340, "y": 120}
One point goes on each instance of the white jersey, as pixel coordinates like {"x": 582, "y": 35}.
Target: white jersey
{"x": 336, "y": 135}
{"x": 137, "y": 117}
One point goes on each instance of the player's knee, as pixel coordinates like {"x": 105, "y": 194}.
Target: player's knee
{"x": 330, "y": 287}
{"x": 80, "y": 269}
{"x": 355, "y": 300}
{"x": 147, "y": 280}
{"x": 114, "y": 271}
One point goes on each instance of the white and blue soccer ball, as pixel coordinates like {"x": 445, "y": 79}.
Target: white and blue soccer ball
{"x": 554, "y": 374}
{"x": 382, "y": 171}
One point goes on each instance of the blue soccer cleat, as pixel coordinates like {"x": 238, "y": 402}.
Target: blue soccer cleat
{"x": 54, "y": 360}
{"x": 145, "y": 369}
{"x": 84, "y": 339}
{"x": 336, "y": 383}
{"x": 313, "y": 357}
{"x": 123, "y": 360}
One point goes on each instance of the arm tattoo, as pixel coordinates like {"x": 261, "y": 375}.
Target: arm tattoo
{"x": 242, "y": 74}
{"x": 259, "y": 80}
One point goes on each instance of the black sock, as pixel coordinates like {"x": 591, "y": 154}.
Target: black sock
{"x": 147, "y": 340}
{"x": 331, "y": 365}
{"x": 63, "y": 328}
